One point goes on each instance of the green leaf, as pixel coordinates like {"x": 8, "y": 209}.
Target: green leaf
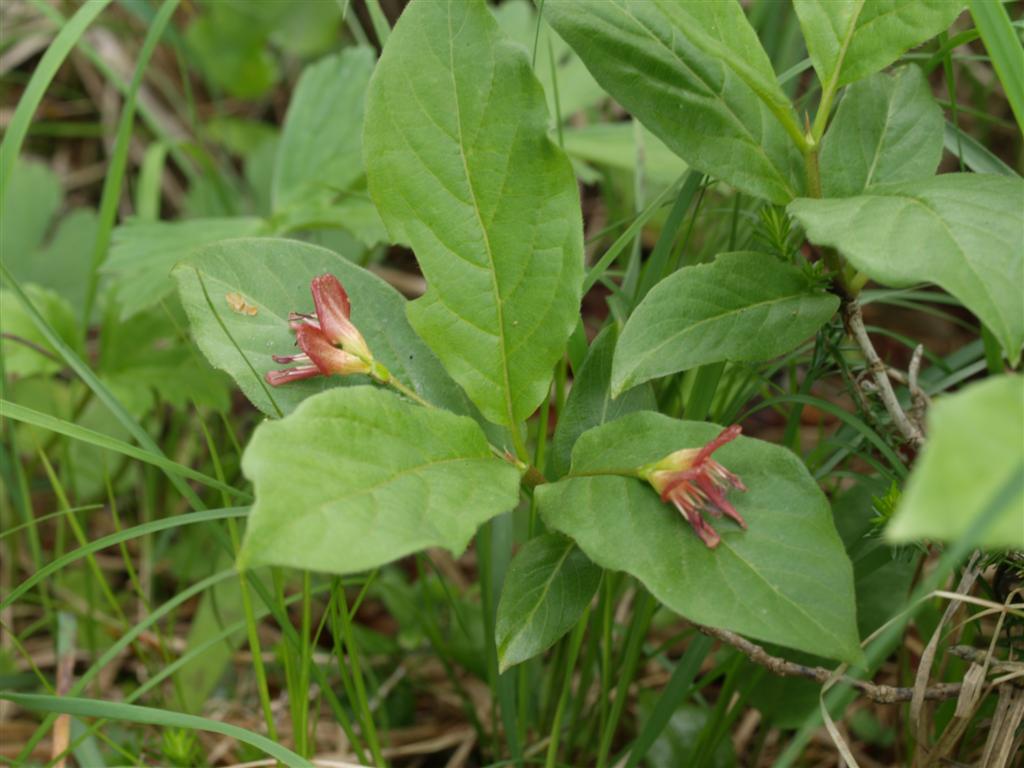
{"x": 696, "y": 75}
{"x": 461, "y": 167}
{"x": 60, "y": 265}
{"x": 358, "y": 477}
{"x": 590, "y": 402}
{"x": 232, "y": 50}
{"x": 273, "y": 276}
{"x": 741, "y": 306}
{"x": 146, "y": 356}
{"x": 960, "y": 231}
{"x": 321, "y": 145}
{"x": 26, "y": 350}
{"x": 850, "y": 39}
{"x": 548, "y": 586}
{"x": 32, "y": 198}
{"x": 143, "y": 253}
{"x": 613, "y": 145}
{"x": 888, "y": 128}
{"x": 975, "y": 445}
{"x": 785, "y": 580}
{"x": 304, "y": 27}
{"x": 577, "y": 89}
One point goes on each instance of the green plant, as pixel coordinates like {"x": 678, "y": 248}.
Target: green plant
{"x": 778, "y": 208}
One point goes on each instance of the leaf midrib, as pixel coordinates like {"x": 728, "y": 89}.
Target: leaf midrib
{"x": 499, "y": 303}
{"x": 536, "y": 605}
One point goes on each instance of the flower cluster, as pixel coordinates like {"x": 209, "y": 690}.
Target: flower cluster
{"x": 330, "y": 343}
{"x": 693, "y": 482}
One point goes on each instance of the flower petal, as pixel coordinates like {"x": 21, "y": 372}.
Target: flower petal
{"x": 327, "y": 357}
{"x": 277, "y": 378}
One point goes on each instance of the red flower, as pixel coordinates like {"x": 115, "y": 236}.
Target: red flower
{"x": 330, "y": 343}
{"x": 693, "y": 481}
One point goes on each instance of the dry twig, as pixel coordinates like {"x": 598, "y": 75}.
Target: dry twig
{"x": 882, "y": 694}
{"x": 879, "y": 373}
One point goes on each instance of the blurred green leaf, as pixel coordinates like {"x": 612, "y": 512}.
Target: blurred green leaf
{"x": 144, "y": 252}
{"x": 786, "y": 579}
{"x": 613, "y": 145}
{"x": 33, "y": 198}
{"x": 577, "y": 89}
{"x": 25, "y": 349}
{"x": 975, "y": 445}
{"x": 677, "y": 744}
{"x": 232, "y": 51}
{"x": 320, "y": 153}
{"x": 961, "y": 231}
{"x": 358, "y": 477}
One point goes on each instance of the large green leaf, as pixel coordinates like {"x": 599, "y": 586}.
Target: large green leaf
{"x": 548, "y": 586}
{"x": 696, "y": 75}
{"x": 850, "y": 39}
{"x": 785, "y": 580}
{"x": 460, "y": 165}
{"x": 273, "y": 276}
{"x": 321, "y": 145}
{"x": 961, "y": 231}
{"x": 590, "y": 401}
{"x": 358, "y": 477}
{"x": 975, "y": 446}
{"x": 741, "y": 306}
{"x": 888, "y": 128}
{"x": 143, "y": 253}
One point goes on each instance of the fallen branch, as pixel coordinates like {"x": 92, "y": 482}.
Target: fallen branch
{"x": 882, "y": 694}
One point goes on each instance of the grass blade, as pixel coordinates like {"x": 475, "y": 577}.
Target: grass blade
{"x": 1004, "y": 48}
{"x": 119, "y": 158}
{"x": 133, "y": 713}
{"x": 44, "y": 73}
{"x": 68, "y": 429}
{"x": 92, "y": 381}
{"x": 110, "y": 540}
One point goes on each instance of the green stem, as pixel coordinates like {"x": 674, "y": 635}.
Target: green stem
{"x": 252, "y": 631}
{"x": 570, "y": 666}
{"x": 398, "y": 386}
{"x": 352, "y": 648}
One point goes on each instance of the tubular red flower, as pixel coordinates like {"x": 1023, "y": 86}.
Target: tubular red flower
{"x": 693, "y": 482}
{"x": 330, "y": 343}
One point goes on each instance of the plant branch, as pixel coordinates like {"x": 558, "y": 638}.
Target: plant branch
{"x": 855, "y": 325}
{"x": 882, "y": 694}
